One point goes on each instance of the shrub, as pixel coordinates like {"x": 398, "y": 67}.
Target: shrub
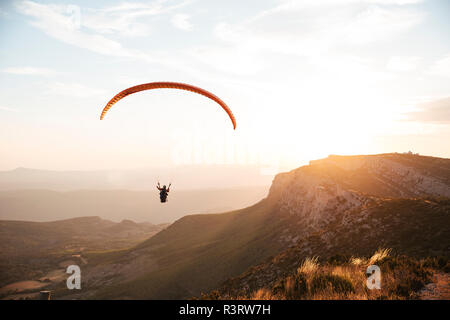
{"x": 441, "y": 263}
{"x": 296, "y": 286}
{"x": 279, "y": 288}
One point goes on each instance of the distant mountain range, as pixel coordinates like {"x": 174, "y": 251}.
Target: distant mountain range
{"x": 338, "y": 205}
{"x": 116, "y": 205}
{"x": 183, "y": 177}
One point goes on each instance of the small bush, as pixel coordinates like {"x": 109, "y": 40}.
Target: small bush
{"x": 440, "y": 263}
{"x": 409, "y": 275}
{"x": 296, "y": 287}
{"x": 279, "y": 288}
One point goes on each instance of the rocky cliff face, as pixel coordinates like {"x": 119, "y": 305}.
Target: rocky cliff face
{"x": 314, "y": 197}
{"x": 401, "y": 175}
{"x": 316, "y": 192}
{"x": 341, "y": 189}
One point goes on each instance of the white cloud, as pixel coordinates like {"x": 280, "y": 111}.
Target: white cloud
{"x": 52, "y": 19}
{"x": 73, "y": 90}
{"x": 441, "y": 67}
{"x": 113, "y": 23}
{"x": 91, "y": 31}
{"x": 87, "y": 28}
{"x": 312, "y": 29}
{"x": 435, "y": 111}
{"x": 403, "y": 63}
{"x": 126, "y": 19}
{"x": 305, "y": 28}
{"x": 29, "y": 71}
{"x": 378, "y": 24}
{"x": 8, "y": 109}
{"x": 181, "y": 21}
{"x": 335, "y": 3}
{"x": 237, "y": 60}
{"x": 301, "y": 28}
{"x": 144, "y": 9}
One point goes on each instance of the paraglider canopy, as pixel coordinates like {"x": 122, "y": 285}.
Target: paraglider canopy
{"x": 170, "y": 85}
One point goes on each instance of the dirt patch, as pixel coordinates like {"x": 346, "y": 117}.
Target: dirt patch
{"x": 64, "y": 264}
{"x": 55, "y": 276}
{"x": 439, "y": 289}
{"x": 23, "y": 296}
{"x": 21, "y": 286}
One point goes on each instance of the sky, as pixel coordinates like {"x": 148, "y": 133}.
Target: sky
{"x": 304, "y": 79}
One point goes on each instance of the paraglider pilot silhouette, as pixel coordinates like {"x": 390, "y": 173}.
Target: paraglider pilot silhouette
{"x": 163, "y": 192}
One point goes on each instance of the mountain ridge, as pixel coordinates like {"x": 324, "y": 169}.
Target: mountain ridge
{"x": 209, "y": 176}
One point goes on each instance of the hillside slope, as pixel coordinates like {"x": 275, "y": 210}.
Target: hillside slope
{"x": 417, "y": 228}
{"x": 193, "y": 254}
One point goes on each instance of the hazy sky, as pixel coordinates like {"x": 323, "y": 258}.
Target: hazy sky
{"x": 304, "y": 79}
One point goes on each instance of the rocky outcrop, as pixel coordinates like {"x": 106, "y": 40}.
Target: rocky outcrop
{"x": 341, "y": 183}
{"x": 404, "y": 175}
{"x": 339, "y": 189}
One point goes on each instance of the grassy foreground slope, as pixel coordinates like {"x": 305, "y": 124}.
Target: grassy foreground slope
{"x": 339, "y": 277}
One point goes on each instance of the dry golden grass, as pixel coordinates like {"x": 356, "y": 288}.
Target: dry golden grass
{"x": 379, "y": 255}
{"x": 402, "y": 277}
{"x": 358, "y": 261}
{"x": 262, "y": 294}
{"x": 309, "y": 265}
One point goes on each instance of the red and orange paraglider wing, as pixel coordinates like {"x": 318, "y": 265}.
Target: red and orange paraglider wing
{"x": 169, "y": 85}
